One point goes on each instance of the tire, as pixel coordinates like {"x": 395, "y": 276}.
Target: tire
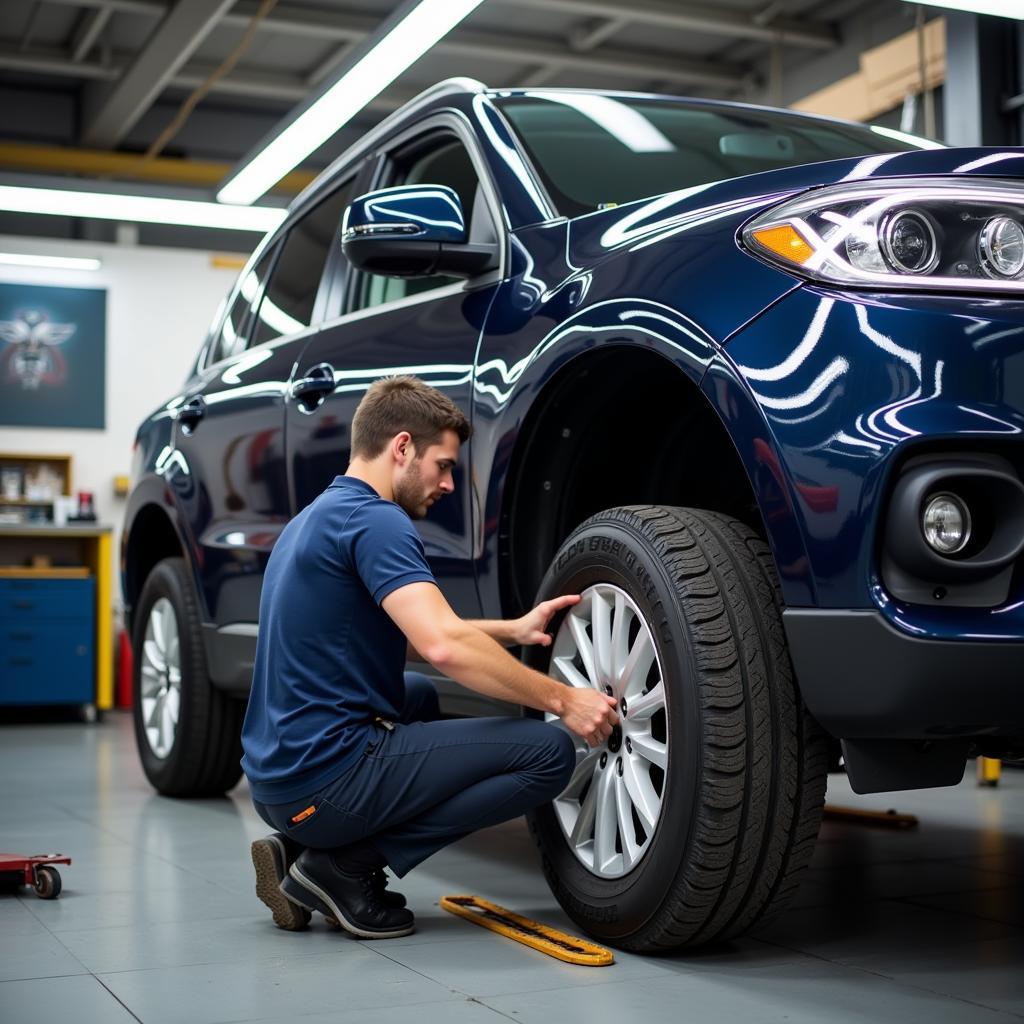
{"x": 197, "y": 748}
{"x": 738, "y": 800}
{"x": 47, "y": 883}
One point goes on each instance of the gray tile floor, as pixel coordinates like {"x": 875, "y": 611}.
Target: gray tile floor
{"x": 158, "y": 921}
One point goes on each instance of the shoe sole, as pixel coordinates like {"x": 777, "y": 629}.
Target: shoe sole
{"x": 269, "y": 861}
{"x": 303, "y": 890}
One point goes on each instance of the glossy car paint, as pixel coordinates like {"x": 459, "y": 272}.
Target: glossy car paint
{"x": 823, "y": 391}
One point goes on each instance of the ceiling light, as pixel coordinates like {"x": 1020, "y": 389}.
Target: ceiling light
{"x": 147, "y": 209}
{"x": 428, "y": 22}
{"x": 1000, "y": 8}
{"x": 24, "y": 259}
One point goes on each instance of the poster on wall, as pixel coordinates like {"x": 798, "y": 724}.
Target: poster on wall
{"x": 52, "y": 356}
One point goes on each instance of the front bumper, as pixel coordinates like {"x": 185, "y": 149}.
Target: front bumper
{"x": 862, "y": 678}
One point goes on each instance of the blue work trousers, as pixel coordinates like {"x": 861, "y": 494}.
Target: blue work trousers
{"x": 426, "y": 782}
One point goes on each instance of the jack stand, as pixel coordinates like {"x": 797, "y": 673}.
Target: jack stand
{"x": 989, "y": 770}
{"x": 885, "y": 819}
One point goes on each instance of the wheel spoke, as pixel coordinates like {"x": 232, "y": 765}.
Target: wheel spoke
{"x": 620, "y": 641}
{"x": 583, "y": 829}
{"x": 633, "y": 677}
{"x": 152, "y": 653}
{"x": 584, "y": 646}
{"x": 627, "y": 834}
{"x": 601, "y": 630}
{"x": 584, "y": 770}
{"x": 649, "y": 704}
{"x": 154, "y": 712}
{"x": 151, "y": 681}
{"x": 642, "y": 793}
{"x": 606, "y": 825}
{"x": 570, "y": 673}
{"x": 649, "y": 748}
{"x": 173, "y": 703}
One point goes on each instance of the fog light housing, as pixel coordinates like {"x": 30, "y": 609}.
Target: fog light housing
{"x": 946, "y": 524}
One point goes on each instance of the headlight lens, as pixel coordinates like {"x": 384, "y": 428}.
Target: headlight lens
{"x": 1001, "y": 248}
{"x": 932, "y": 233}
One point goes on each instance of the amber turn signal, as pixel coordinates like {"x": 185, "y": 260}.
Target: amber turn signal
{"x": 785, "y": 241}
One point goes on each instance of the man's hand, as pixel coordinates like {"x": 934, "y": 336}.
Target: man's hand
{"x": 589, "y": 714}
{"x": 531, "y": 628}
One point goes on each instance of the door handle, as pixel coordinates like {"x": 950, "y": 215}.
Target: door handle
{"x": 317, "y": 384}
{"x": 192, "y": 411}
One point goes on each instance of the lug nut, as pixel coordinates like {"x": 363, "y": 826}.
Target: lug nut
{"x": 608, "y": 690}
{"x": 623, "y": 706}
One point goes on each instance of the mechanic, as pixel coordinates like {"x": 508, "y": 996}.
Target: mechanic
{"x": 346, "y": 756}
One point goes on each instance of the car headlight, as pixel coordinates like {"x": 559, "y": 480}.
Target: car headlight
{"x": 932, "y": 233}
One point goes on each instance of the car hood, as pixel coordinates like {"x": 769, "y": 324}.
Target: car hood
{"x": 735, "y": 200}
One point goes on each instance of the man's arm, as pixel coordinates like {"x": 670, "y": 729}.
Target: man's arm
{"x": 465, "y": 653}
{"x": 528, "y": 629}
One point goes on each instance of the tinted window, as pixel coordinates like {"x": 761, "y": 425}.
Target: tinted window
{"x": 237, "y": 324}
{"x": 593, "y": 150}
{"x": 446, "y": 163}
{"x": 287, "y": 305}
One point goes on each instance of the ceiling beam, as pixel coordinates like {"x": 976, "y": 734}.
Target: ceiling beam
{"x": 689, "y": 17}
{"x": 171, "y": 44}
{"x": 88, "y": 30}
{"x": 252, "y": 83}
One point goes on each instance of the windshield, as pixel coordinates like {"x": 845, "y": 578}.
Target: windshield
{"x": 593, "y": 151}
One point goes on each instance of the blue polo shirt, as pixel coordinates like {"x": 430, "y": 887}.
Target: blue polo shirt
{"x": 328, "y": 657}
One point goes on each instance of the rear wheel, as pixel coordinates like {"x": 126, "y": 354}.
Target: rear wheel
{"x": 187, "y": 731}
{"x": 693, "y": 822}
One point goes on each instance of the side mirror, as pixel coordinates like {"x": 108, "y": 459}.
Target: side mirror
{"x": 412, "y": 231}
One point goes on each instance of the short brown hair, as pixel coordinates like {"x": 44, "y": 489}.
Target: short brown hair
{"x": 394, "y": 404}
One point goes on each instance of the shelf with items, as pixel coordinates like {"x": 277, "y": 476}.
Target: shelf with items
{"x": 32, "y": 485}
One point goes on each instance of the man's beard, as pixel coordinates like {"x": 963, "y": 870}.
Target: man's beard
{"x": 409, "y": 492}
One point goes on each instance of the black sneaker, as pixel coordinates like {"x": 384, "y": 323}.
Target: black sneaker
{"x": 270, "y": 859}
{"x": 342, "y": 887}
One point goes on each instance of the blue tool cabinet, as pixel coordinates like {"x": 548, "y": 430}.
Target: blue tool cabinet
{"x": 47, "y": 633}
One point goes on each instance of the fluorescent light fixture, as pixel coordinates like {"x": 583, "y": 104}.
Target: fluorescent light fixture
{"x": 24, "y": 259}
{"x": 1000, "y": 8}
{"x": 914, "y": 140}
{"x": 413, "y": 36}
{"x": 629, "y": 126}
{"x": 147, "y": 209}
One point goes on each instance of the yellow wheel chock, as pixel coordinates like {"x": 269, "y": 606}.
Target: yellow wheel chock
{"x": 887, "y": 819}
{"x": 530, "y": 933}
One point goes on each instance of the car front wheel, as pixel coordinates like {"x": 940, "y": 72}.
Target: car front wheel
{"x": 693, "y": 821}
{"x": 188, "y": 732}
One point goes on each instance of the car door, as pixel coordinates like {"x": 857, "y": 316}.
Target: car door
{"x": 231, "y": 423}
{"x": 428, "y": 327}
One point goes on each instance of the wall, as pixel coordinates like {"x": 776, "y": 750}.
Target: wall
{"x": 159, "y": 306}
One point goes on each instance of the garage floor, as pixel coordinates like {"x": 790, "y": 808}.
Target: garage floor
{"x": 158, "y": 921}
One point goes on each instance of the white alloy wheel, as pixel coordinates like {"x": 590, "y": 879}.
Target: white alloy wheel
{"x": 161, "y": 678}
{"x": 612, "y": 805}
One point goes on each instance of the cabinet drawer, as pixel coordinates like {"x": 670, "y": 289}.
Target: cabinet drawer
{"x": 46, "y": 663}
{"x": 46, "y": 599}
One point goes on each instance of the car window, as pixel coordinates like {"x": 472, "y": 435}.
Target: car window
{"x": 234, "y": 331}
{"x": 288, "y": 300}
{"x": 446, "y": 162}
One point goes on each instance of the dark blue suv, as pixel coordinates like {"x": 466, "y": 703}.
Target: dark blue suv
{"x": 751, "y": 382}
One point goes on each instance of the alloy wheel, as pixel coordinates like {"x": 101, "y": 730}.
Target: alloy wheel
{"x": 161, "y": 678}
{"x": 611, "y": 807}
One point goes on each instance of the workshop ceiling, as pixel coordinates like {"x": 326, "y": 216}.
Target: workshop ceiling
{"x": 104, "y": 79}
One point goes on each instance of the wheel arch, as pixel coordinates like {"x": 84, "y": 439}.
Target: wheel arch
{"x": 618, "y": 420}
{"x": 151, "y": 534}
